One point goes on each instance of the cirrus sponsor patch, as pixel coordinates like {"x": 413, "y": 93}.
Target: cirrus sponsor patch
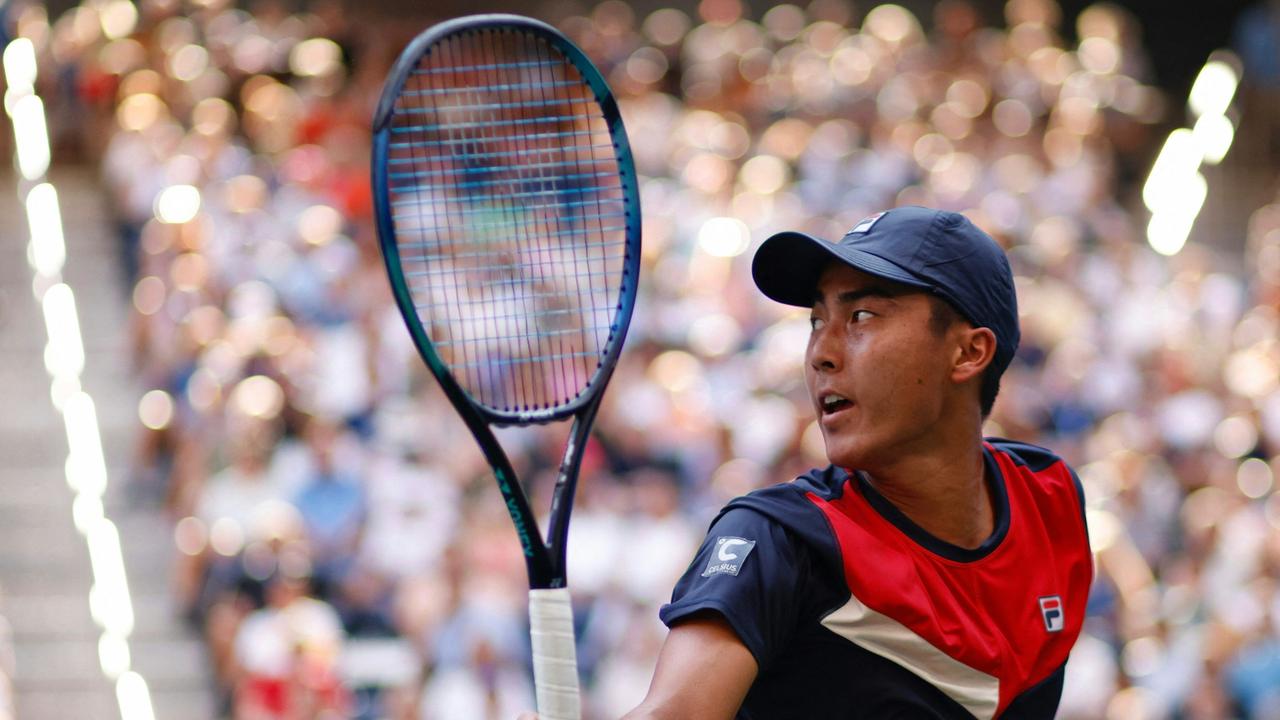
{"x": 728, "y": 555}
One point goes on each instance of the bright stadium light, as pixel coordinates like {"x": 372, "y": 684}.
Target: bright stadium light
{"x": 1213, "y": 134}
{"x": 1175, "y": 190}
{"x": 32, "y": 137}
{"x": 86, "y": 510}
{"x": 113, "y": 655}
{"x": 134, "y": 698}
{"x": 1213, "y": 89}
{"x": 20, "y": 65}
{"x": 86, "y": 466}
{"x": 1168, "y": 233}
{"x": 109, "y": 601}
{"x": 1179, "y": 158}
{"x": 64, "y": 354}
{"x": 48, "y": 248}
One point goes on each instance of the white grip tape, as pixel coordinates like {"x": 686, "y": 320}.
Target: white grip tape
{"x": 555, "y": 662}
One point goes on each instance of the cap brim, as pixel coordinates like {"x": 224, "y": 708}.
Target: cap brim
{"x": 787, "y": 266}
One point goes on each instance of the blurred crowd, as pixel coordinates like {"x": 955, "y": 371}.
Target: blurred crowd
{"x": 339, "y": 542}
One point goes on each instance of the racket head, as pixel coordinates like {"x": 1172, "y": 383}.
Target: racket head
{"x": 508, "y": 215}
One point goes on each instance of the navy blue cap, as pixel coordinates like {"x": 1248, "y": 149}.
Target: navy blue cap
{"x": 937, "y": 251}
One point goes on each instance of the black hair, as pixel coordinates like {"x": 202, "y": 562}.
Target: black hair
{"x": 941, "y": 317}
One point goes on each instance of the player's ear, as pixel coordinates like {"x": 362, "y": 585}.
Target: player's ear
{"x": 974, "y": 350}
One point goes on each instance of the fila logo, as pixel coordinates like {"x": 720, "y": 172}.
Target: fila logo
{"x": 728, "y": 556}
{"x": 1051, "y": 611}
{"x": 864, "y": 225}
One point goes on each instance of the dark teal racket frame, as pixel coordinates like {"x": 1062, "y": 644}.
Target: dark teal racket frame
{"x": 545, "y": 561}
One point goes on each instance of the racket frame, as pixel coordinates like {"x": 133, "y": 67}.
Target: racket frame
{"x": 544, "y": 560}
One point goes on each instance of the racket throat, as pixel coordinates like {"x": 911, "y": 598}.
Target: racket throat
{"x": 566, "y": 488}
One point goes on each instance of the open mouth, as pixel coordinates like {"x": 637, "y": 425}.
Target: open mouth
{"x": 833, "y": 403}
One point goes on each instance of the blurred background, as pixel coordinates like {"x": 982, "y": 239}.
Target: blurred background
{"x": 230, "y": 490}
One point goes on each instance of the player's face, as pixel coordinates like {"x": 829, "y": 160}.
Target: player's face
{"x": 876, "y": 372}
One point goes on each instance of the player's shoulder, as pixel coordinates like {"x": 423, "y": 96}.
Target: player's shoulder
{"x": 790, "y": 505}
{"x": 1043, "y": 472}
{"x": 785, "y": 498}
{"x": 1024, "y": 454}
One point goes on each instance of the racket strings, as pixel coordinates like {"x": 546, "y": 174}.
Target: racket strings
{"x": 509, "y": 216}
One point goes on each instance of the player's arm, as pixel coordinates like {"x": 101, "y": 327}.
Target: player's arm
{"x": 704, "y": 671}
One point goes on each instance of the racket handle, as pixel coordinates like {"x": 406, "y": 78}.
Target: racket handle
{"x": 555, "y": 661}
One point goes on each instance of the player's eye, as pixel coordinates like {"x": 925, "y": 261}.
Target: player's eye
{"x": 860, "y": 315}
{"x": 815, "y": 323}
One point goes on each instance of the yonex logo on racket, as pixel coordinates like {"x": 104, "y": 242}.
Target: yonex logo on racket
{"x": 1051, "y": 611}
{"x": 728, "y": 556}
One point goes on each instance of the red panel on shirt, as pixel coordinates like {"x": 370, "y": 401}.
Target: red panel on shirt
{"x": 985, "y": 613}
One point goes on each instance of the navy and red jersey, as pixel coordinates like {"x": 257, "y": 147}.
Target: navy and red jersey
{"x": 853, "y": 611}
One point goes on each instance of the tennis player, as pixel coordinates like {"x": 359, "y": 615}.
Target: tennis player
{"x": 926, "y": 572}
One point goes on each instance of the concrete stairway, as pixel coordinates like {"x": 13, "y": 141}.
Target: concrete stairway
{"x": 44, "y": 563}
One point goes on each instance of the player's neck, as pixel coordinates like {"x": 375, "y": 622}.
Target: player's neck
{"x": 945, "y": 491}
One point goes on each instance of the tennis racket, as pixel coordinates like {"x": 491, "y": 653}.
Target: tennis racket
{"x": 509, "y": 220}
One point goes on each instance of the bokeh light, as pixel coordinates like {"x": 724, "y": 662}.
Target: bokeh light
{"x": 190, "y": 536}
{"x": 315, "y": 57}
{"x": 118, "y": 18}
{"x": 724, "y": 237}
{"x": 258, "y": 396}
{"x": 177, "y": 204}
{"x": 155, "y": 409}
{"x": 226, "y": 537}
{"x": 1254, "y": 478}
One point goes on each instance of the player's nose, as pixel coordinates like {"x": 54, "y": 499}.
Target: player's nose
{"x": 824, "y": 350}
